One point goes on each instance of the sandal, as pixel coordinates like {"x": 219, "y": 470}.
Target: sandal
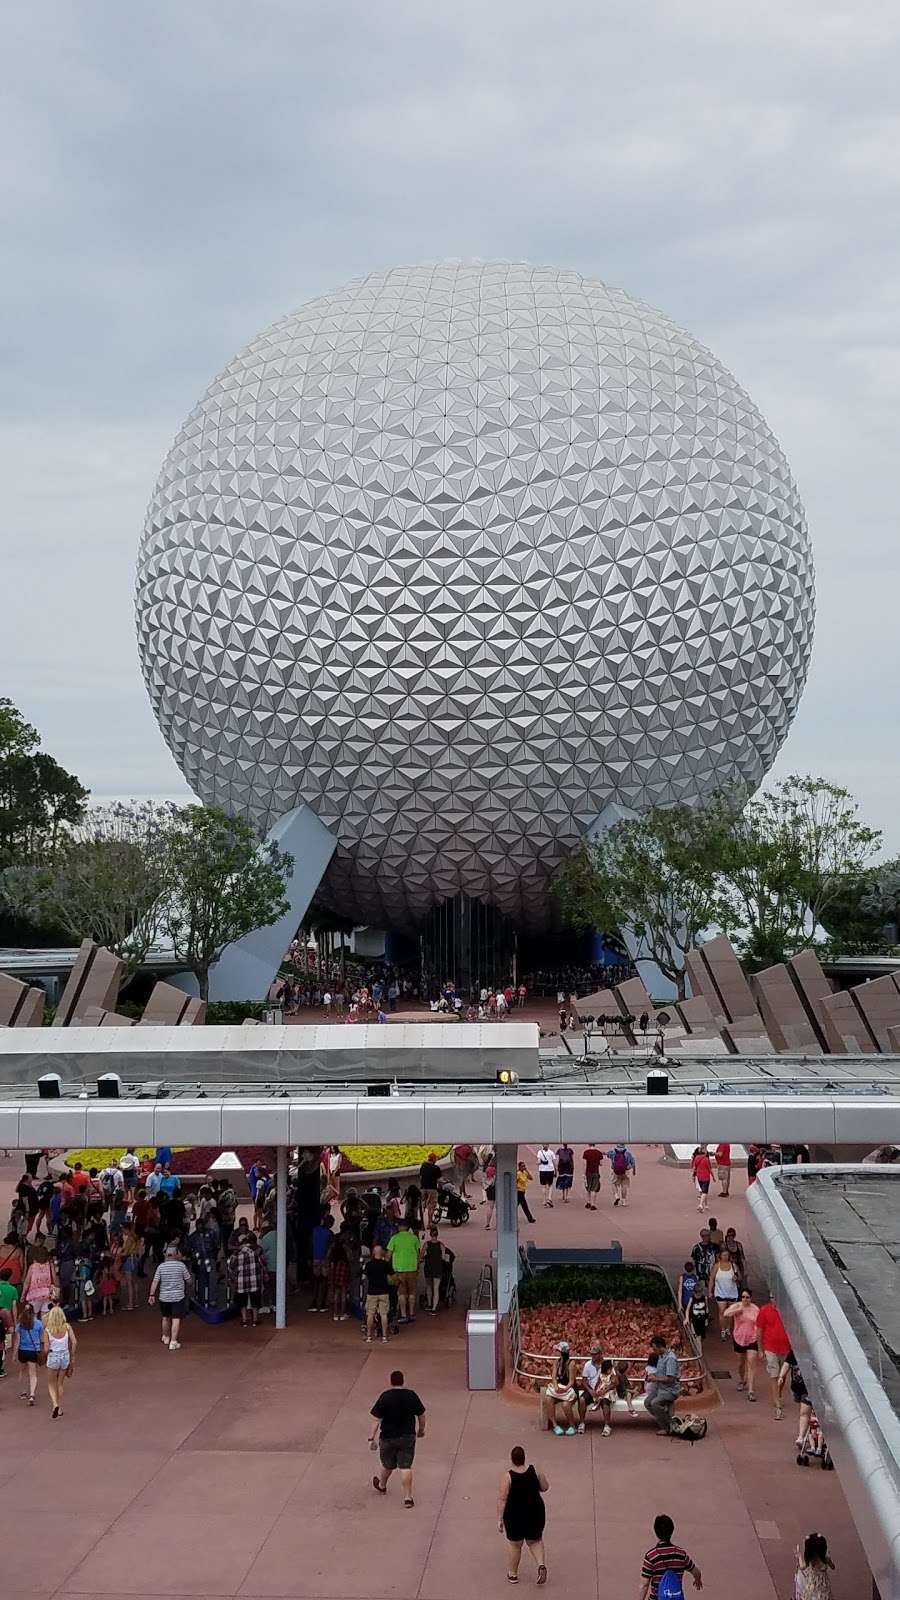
{"x": 377, "y": 1484}
{"x": 542, "y": 1574}
{"x": 409, "y": 1502}
{"x": 512, "y": 1577}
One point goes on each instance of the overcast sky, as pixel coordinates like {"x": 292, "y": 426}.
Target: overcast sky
{"x": 176, "y": 175}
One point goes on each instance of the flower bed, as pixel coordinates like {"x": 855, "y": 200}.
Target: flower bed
{"x": 382, "y": 1157}
{"x": 186, "y": 1159}
{"x": 618, "y": 1307}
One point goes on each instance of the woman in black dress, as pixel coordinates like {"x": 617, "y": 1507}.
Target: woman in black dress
{"x": 521, "y": 1515}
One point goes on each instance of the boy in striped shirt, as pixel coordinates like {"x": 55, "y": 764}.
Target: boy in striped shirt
{"x": 664, "y": 1557}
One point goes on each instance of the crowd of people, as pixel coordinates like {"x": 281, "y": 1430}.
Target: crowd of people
{"x": 83, "y": 1240}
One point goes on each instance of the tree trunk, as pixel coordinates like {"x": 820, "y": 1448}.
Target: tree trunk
{"x": 202, "y": 974}
{"x": 681, "y": 983}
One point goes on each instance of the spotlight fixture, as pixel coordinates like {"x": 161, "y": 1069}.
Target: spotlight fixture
{"x": 378, "y": 1090}
{"x": 108, "y": 1086}
{"x": 657, "y": 1081}
{"x": 507, "y": 1077}
{"x": 48, "y": 1086}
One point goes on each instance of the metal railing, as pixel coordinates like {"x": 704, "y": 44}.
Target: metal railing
{"x": 483, "y": 1297}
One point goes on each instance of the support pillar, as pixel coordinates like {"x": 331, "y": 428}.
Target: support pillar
{"x": 281, "y": 1183}
{"x": 507, "y": 1217}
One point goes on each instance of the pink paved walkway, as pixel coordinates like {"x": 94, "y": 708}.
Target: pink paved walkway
{"x": 239, "y": 1466}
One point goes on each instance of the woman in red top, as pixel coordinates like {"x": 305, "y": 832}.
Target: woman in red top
{"x": 703, "y": 1177}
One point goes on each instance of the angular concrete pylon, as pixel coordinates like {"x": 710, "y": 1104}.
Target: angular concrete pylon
{"x": 170, "y": 1007}
{"x": 846, "y": 1031}
{"x": 246, "y": 969}
{"x": 93, "y": 981}
{"x": 782, "y": 1011}
{"x": 813, "y": 986}
{"x": 21, "y": 1004}
{"x": 878, "y": 1003}
{"x": 698, "y": 1018}
{"x": 96, "y": 1017}
{"x": 702, "y": 986}
{"x": 728, "y": 979}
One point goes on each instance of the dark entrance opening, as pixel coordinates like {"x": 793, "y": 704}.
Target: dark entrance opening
{"x": 469, "y": 944}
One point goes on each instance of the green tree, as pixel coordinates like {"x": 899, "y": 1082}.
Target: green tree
{"x": 794, "y": 853}
{"x": 659, "y": 874}
{"x": 223, "y": 884}
{"x": 106, "y": 880}
{"x": 37, "y": 796}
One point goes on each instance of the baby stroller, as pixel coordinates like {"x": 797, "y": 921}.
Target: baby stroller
{"x": 451, "y": 1206}
{"x": 814, "y": 1447}
{"x": 447, "y": 1292}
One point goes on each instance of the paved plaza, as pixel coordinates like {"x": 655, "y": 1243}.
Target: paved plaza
{"x": 238, "y": 1466}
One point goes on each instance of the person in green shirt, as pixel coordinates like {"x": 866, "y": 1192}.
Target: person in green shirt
{"x": 9, "y": 1312}
{"x": 403, "y": 1249}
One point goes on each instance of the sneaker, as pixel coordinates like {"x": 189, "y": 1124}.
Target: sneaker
{"x": 607, "y": 1430}
{"x": 751, "y": 1396}
{"x": 581, "y": 1427}
{"x": 572, "y": 1432}
{"x": 174, "y": 1345}
{"x": 164, "y": 1337}
{"x": 558, "y": 1430}
{"x": 615, "y": 1202}
{"x": 779, "y": 1413}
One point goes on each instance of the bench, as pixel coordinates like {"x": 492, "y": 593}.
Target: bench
{"x": 619, "y": 1407}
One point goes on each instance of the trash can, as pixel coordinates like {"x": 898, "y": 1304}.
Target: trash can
{"x": 483, "y": 1350}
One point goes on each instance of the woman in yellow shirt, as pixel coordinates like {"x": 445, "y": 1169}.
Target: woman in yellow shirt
{"x": 523, "y": 1178}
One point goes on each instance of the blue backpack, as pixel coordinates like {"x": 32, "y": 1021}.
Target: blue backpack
{"x": 670, "y": 1586}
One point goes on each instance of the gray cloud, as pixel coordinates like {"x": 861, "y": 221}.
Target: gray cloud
{"x": 172, "y": 177}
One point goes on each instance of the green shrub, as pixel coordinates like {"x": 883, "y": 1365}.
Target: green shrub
{"x": 575, "y": 1284}
{"x": 224, "y": 1013}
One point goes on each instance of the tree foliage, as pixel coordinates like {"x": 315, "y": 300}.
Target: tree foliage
{"x": 223, "y": 885}
{"x": 795, "y": 852}
{"x": 37, "y": 796}
{"x": 660, "y": 874}
{"x": 107, "y": 880}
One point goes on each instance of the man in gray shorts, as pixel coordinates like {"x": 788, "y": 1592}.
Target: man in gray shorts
{"x": 400, "y": 1416}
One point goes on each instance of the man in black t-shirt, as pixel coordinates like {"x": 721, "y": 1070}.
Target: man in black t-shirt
{"x": 429, "y": 1178}
{"x": 400, "y": 1415}
{"x": 377, "y": 1271}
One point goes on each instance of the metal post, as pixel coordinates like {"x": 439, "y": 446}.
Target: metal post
{"x": 281, "y": 1183}
{"x": 507, "y": 1215}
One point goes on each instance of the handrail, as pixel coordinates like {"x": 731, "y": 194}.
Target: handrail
{"x": 684, "y": 1362}
{"x": 483, "y": 1293}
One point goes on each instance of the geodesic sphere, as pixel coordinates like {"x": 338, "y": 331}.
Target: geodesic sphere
{"x": 460, "y": 555}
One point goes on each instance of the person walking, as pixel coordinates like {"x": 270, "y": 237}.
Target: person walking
{"x": 429, "y": 1178}
{"x": 403, "y": 1250}
{"x": 523, "y": 1178}
{"x": 546, "y": 1164}
{"x": 623, "y": 1168}
{"x": 702, "y": 1168}
{"x": 664, "y": 1557}
{"x": 663, "y": 1383}
{"x": 521, "y": 1514}
{"x": 723, "y": 1287}
{"x": 40, "y": 1280}
{"x": 723, "y": 1169}
{"x": 27, "y": 1349}
{"x": 774, "y": 1347}
{"x": 172, "y": 1282}
{"x": 58, "y": 1345}
{"x": 434, "y": 1257}
{"x": 743, "y": 1316}
{"x": 565, "y": 1171}
{"x": 399, "y": 1421}
{"x": 490, "y": 1186}
{"x": 812, "y": 1580}
{"x": 593, "y": 1161}
{"x": 696, "y": 1313}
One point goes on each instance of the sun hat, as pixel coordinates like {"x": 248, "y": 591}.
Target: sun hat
{"x": 563, "y": 1345}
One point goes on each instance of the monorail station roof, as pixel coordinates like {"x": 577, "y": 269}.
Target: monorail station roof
{"x": 851, "y": 1220}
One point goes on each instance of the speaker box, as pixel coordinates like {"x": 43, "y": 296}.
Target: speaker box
{"x": 108, "y": 1086}
{"x": 657, "y": 1081}
{"x": 377, "y": 1089}
{"x": 48, "y": 1086}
